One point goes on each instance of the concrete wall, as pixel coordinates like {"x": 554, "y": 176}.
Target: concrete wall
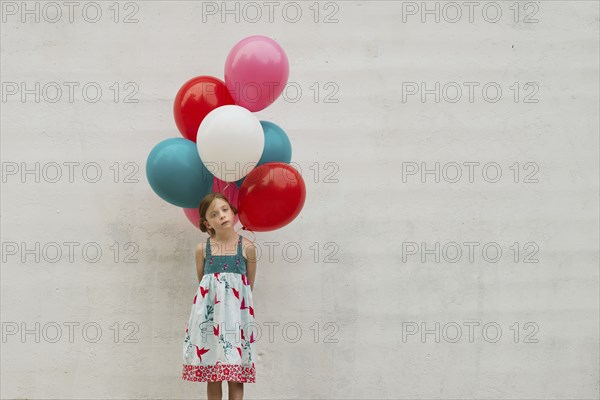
{"x": 392, "y": 321}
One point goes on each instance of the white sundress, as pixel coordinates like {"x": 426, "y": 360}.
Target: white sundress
{"x": 219, "y": 341}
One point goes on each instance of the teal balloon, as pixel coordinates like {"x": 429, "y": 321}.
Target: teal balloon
{"x": 177, "y": 174}
{"x": 277, "y": 146}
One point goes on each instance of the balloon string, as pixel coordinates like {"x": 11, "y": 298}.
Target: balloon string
{"x": 250, "y": 230}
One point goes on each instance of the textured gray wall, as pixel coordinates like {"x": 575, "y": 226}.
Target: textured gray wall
{"x": 398, "y": 313}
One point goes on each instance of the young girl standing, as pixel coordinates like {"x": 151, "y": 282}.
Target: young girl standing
{"x": 218, "y": 343}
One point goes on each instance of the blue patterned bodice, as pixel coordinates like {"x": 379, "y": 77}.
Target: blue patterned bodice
{"x": 235, "y": 263}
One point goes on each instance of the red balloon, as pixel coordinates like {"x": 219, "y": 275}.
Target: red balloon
{"x": 196, "y": 98}
{"x": 270, "y": 197}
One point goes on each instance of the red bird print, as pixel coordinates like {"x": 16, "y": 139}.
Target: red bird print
{"x": 195, "y": 297}
{"x": 186, "y": 329}
{"x": 243, "y": 305}
{"x": 216, "y": 330}
{"x": 252, "y": 337}
{"x": 239, "y": 349}
{"x": 236, "y": 293}
{"x": 203, "y": 291}
{"x": 245, "y": 280}
{"x": 216, "y": 274}
{"x": 243, "y": 338}
{"x": 251, "y": 311}
{"x": 217, "y": 301}
{"x": 199, "y": 352}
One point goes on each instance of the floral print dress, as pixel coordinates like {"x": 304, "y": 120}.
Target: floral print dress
{"x": 219, "y": 342}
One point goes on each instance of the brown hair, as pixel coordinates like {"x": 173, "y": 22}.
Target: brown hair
{"x": 203, "y": 207}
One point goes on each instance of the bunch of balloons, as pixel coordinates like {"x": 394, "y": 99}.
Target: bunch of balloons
{"x": 225, "y": 148}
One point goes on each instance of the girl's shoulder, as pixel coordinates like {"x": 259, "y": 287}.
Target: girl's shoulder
{"x": 248, "y": 248}
{"x": 201, "y": 247}
{"x": 247, "y": 243}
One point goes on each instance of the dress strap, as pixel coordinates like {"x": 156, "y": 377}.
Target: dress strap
{"x": 208, "y": 248}
{"x": 239, "y": 250}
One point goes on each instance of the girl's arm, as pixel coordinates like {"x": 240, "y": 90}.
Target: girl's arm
{"x": 251, "y": 264}
{"x": 200, "y": 261}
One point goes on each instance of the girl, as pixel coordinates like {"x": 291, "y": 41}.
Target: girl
{"x": 218, "y": 343}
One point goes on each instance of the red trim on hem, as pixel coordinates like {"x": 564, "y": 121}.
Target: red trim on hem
{"x": 219, "y": 372}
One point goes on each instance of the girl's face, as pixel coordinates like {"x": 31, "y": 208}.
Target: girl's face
{"x": 219, "y": 215}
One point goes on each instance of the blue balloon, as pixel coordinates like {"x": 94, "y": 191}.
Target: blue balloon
{"x": 277, "y": 146}
{"x": 177, "y": 174}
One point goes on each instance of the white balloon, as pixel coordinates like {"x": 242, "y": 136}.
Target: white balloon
{"x": 230, "y": 142}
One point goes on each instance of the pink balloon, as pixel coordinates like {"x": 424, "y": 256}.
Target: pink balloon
{"x": 227, "y": 189}
{"x": 230, "y": 191}
{"x": 192, "y": 216}
{"x": 256, "y": 72}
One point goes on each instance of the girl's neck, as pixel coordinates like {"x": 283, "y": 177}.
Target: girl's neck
{"x": 225, "y": 237}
